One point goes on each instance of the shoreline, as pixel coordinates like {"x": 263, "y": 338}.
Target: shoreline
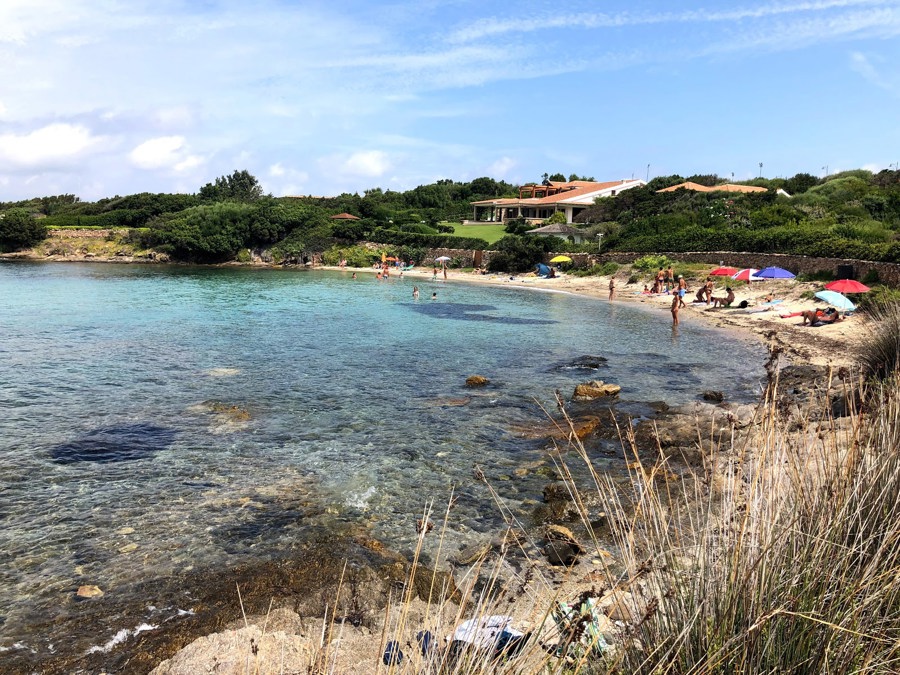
{"x": 820, "y": 346}
{"x": 592, "y": 287}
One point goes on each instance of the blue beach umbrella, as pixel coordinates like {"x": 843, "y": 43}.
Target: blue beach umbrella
{"x": 775, "y": 273}
{"x": 836, "y": 299}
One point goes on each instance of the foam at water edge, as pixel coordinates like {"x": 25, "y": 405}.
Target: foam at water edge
{"x": 120, "y": 637}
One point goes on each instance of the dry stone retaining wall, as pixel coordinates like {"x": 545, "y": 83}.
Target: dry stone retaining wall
{"x": 888, "y": 273}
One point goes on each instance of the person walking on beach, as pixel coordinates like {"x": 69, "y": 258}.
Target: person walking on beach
{"x": 676, "y": 304}
{"x": 434, "y": 273}
{"x": 682, "y": 289}
{"x": 612, "y": 288}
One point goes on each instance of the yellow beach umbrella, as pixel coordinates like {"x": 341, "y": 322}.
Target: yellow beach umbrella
{"x": 561, "y": 258}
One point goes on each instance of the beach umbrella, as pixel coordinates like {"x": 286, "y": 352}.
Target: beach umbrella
{"x": 560, "y": 258}
{"x": 443, "y": 258}
{"x": 723, "y": 271}
{"x": 775, "y": 273}
{"x": 836, "y": 299}
{"x": 748, "y": 274}
{"x": 847, "y": 286}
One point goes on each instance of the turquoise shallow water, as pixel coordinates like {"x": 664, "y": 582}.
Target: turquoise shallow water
{"x": 127, "y": 454}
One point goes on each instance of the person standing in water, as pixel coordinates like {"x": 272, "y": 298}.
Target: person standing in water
{"x": 676, "y": 302}
{"x": 612, "y": 288}
{"x": 415, "y": 292}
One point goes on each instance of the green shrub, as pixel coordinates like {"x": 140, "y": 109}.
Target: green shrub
{"x": 818, "y": 275}
{"x": 19, "y": 229}
{"x": 385, "y": 236}
{"x": 558, "y": 217}
{"x": 870, "y": 278}
{"x": 520, "y": 254}
{"x": 608, "y": 268}
{"x": 243, "y": 256}
{"x": 879, "y": 353}
{"x": 651, "y": 263}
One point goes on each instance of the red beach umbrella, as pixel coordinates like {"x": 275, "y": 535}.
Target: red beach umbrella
{"x": 747, "y": 275}
{"x": 847, "y": 286}
{"x": 723, "y": 271}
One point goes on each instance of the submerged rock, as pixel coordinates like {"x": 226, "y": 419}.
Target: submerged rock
{"x": 581, "y": 363}
{"x": 477, "y": 381}
{"x": 89, "y": 591}
{"x": 122, "y": 443}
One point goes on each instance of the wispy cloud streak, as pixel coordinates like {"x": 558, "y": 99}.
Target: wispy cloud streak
{"x": 495, "y": 27}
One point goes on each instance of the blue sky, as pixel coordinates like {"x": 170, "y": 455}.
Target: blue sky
{"x": 106, "y": 97}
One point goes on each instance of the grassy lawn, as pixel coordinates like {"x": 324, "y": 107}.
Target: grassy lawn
{"x": 490, "y": 232}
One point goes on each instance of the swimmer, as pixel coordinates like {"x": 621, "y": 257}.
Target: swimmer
{"x": 415, "y": 292}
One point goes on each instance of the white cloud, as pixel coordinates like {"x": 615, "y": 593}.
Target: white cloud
{"x": 371, "y": 163}
{"x": 175, "y": 117}
{"x": 48, "y": 147}
{"x": 276, "y": 170}
{"x": 165, "y": 152}
{"x": 501, "y": 167}
{"x": 864, "y": 66}
{"x": 589, "y": 20}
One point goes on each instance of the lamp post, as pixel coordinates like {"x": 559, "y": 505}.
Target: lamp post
{"x": 648, "y": 173}
{"x": 760, "y": 169}
{"x": 599, "y": 242}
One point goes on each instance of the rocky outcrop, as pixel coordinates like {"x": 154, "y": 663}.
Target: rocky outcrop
{"x": 588, "y": 391}
{"x": 477, "y": 381}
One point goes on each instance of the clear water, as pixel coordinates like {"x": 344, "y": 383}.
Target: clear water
{"x": 122, "y": 457}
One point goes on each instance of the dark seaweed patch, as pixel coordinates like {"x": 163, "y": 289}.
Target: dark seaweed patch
{"x": 121, "y": 443}
{"x": 464, "y": 312}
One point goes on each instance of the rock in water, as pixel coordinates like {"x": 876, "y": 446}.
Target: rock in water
{"x": 89, "y": 592}
{"x": 477, "y": 381}
{"x": 588, "y": 391}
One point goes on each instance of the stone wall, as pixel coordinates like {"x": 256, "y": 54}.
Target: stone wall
{"x": 888, "y": 273}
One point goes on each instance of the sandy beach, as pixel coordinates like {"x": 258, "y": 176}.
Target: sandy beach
{"x": 773, "y": 323}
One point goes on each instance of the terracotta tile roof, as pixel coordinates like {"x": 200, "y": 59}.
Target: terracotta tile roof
{"x": 571, "y": 192}
{"x": 345, "y": 216}
{"x": 727, "y": 187}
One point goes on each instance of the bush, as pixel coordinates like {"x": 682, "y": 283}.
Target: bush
{"x": 608, "y": 268}
{"x": 384, "y": 236}
{"x": 19, "y": 229}
{"x": 879, "y": 354}
{"x": 651, "y": 263}
{"x": 521, "y": 253}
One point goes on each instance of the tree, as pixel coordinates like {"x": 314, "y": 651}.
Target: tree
{"x": 19, "y": 229}
{"x": 557, "y": 178}
{"x": 575, "y": 176}
{"x": 241, "y": 186}
{"x": 800, "y": 183}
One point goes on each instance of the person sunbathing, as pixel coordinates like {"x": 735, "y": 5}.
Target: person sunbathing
{"x": 726, "y": 301}
{"x": 818, "y": 317}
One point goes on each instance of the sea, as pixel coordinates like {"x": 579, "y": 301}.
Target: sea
{"x": 160, "y": 419}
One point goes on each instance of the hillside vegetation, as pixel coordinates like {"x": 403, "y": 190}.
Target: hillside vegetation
{"x": 854, "y": 214}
